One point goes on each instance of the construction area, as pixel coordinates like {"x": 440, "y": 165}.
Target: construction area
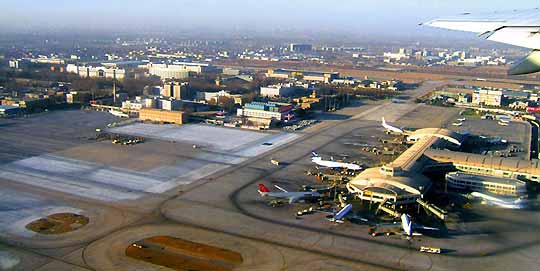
{"x": 58, "y": 223}
{"x": 180, "y": 254}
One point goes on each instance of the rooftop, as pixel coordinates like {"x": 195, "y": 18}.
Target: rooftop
{"x": 490, "y": 179}
{"x": 408, "y": 184}
{"x": 478, "y": 160}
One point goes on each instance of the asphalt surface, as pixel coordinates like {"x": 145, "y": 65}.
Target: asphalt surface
{"x": 223, "y": 209}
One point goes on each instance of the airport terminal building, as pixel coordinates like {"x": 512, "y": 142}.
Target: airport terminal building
{"x": 401, "y": 182}
{"x": 488, "y": 165}
{"x": 480, "y": 183}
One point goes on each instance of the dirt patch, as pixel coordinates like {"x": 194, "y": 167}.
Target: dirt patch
{"x": 181, "y": 254}
{"x": 58, "y": 223}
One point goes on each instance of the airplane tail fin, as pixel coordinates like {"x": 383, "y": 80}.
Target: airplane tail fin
{"x": 263, "y": 188}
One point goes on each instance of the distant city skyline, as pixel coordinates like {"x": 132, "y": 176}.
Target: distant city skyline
{"x": 383, "y": 17}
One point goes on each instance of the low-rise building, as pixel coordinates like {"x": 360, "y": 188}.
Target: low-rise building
{"x": 280, "y": 90}
{"x": 213, "y": 97}
{"x": 169, "y": 104}
{"x": 164, "y": 116}
{"x": 97, "y": 72}
{"x": 178, "y": 70}
{"x": 271, "y": 110}
{"x": 133, "y": 105}
{"x": 325, "y": 77}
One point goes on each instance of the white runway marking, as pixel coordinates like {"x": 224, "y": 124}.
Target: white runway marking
{"x": 210, "y": 136}
{"x": 106, "y": 183}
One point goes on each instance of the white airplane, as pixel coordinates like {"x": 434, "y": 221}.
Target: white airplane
{"x": 493, "y": 200}
{"x": 502, "y": 123}
{"x": 462, "y": 119}
{"x": 345, "y": 213}
{"x": 291, "y": 197}
{"x": 518, "y": 27}
{"x": 408, "y": 227}
{"x": 457, "y": 123}
{"x": 315, "y": 158}
{"x": 391, "y": 129}
{"x": 119, "y": 114}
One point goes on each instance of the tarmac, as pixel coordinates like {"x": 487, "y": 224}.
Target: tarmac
{"x": 208, "y": 195}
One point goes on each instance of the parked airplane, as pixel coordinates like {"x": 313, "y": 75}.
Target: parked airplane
{"x": 391, "y": 129}
{"x": 291, "y": 197}
{"x": 457, "y": 123}
{"x": 519, "y": 27}
{"x": 345, "y": 212}
{"x": 119, "y": 114}
{"x": 462, "y": 119}
{"x": 493, "y": 200}
{"x": 315, "y": 158}
{"x": 407, "y": 226}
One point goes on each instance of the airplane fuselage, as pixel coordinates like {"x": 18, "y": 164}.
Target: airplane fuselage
{"x": 333, "y": 164}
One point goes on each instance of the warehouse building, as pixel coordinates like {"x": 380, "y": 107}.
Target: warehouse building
{"x": 178, "y": 70}
{"x": 163, "y": 116}
{"x": 325, "y": 77}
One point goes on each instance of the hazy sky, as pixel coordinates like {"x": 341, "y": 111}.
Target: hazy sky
{"x": 346, "y": 16}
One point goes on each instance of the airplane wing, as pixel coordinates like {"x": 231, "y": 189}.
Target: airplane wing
{"x": 420, "y": 227}
{"x": 294, "y": 199}
{"x": 280, "y": 188}
{"x": 519, "y": 28}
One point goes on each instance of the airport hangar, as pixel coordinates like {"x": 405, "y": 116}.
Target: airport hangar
{"x": 401, "y": 182}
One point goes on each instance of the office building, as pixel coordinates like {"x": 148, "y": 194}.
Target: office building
{"x": 487, "y": 97}
{"x": 300, "y": 48}
{"x": 177, "y": 90}
{"x": 14, "y": 64}
{"x": 271, "y": 110}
